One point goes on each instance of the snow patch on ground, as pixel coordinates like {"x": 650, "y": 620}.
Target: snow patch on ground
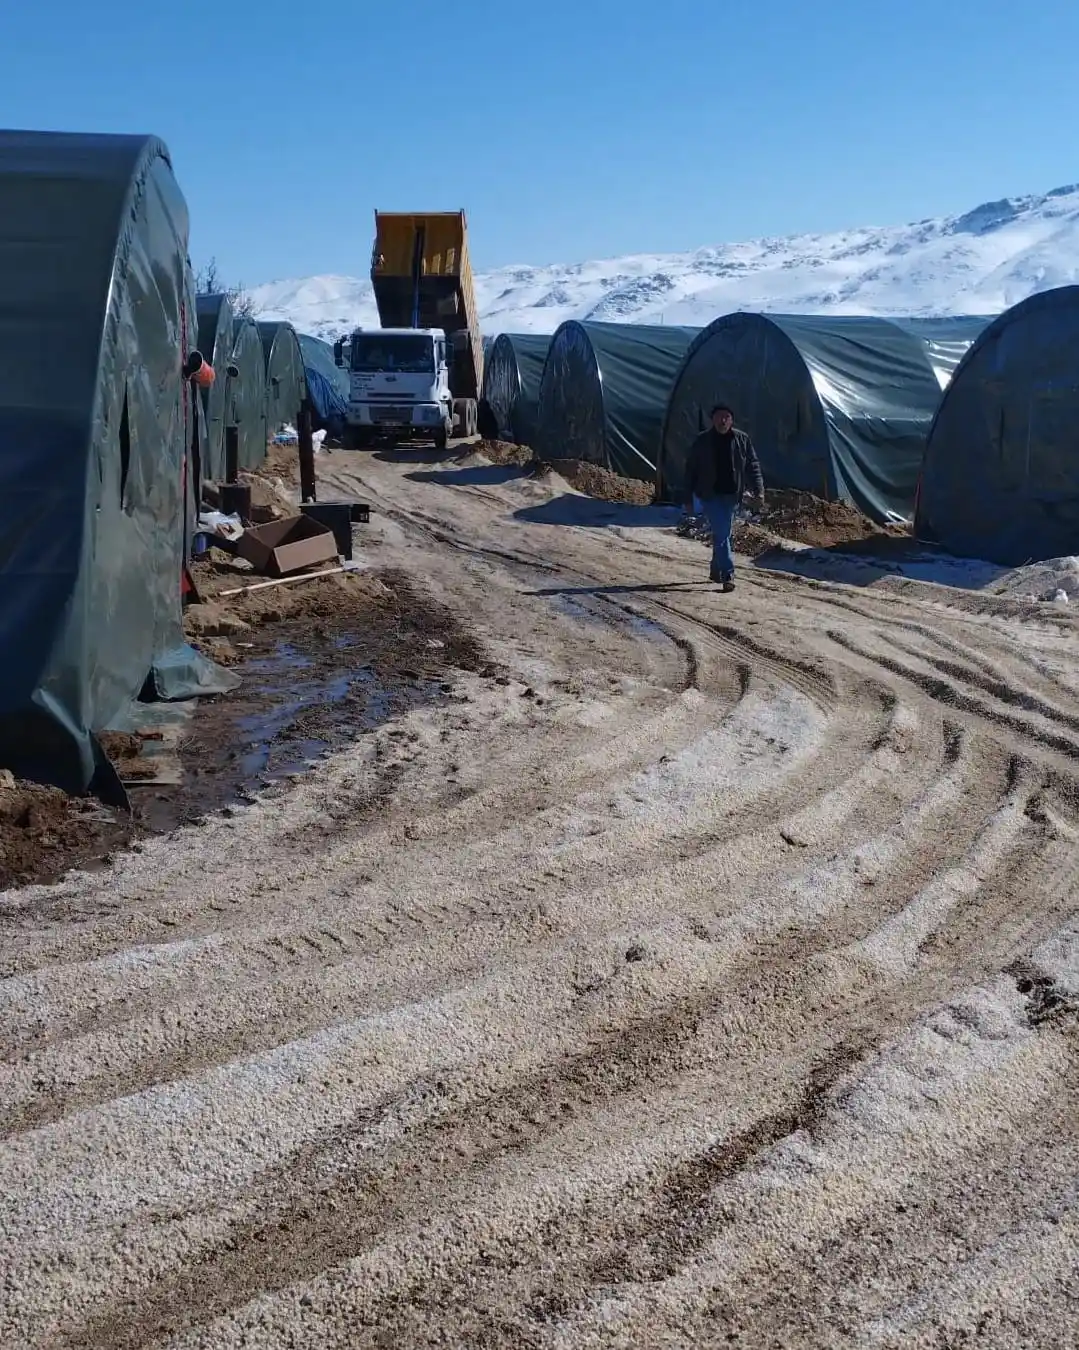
{"x": 1055, "y": 580}
{"x": 850, "y": 569}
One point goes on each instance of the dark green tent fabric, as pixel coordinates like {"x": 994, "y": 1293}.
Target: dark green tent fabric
{"x": 215, "y": 344}
{"x": 837, "y": 405}
{"x": 1000, "y": 479}
{"x": 247, "y": 394}
{"x": 286, "y": 387}
{"x": 97, "y": 313}
{"x": 512, "y": 372}
{"x": 604, "y": 392}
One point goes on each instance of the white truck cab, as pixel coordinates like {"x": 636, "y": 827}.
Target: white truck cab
{"x": 399, "y": 387}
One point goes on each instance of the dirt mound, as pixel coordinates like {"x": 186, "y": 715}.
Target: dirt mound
{"x": 282, "y": 461}
{"x": 609, "y": 487}
{"x": 270, "y": 499}
{"x": 590, "y": 479}
{"x": 503, "y": 452}
{"x": 43, "y": 833}
{"x": 806, "y": 519}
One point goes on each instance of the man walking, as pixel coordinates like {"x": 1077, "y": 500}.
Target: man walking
{"x": 721, "y": 460}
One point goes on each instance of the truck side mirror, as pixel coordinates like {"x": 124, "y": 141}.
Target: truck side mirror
{"x": 339, "y": 353}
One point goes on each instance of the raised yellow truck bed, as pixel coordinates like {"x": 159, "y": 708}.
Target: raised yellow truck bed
{"x": 422, "y": 278}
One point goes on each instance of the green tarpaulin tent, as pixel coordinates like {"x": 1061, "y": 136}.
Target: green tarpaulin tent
{"x": 839, "y": 406}
{"x": 604, "y": 391}
{"x": 512, "y": 372}
{"x": 97, "y": 430}
{"x": 1000, "y": 479}
{"x": 286, "y": 386}
{"x": 215, "y": 344}
{"x": 246, "y": 408}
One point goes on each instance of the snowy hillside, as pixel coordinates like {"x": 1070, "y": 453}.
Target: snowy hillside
{"x": 977, "y": 263}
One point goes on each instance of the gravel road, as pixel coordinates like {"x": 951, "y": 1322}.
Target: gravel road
{"x": 709, "y": 979}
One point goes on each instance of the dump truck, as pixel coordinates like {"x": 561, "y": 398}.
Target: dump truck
{"x": 419, "y": 375}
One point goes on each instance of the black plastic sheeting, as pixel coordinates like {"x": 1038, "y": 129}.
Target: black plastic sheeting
{"x": 215, "y": 343}
{"x": 327, "y": 385}
{"x": 97, "y": 314}
{"x": 512, "y": 373}
{"x": 839, "y": 406}
{"x": 286, "y": 385}
{"x": 1001, "y": 474}
{"x": 604, "y": 393}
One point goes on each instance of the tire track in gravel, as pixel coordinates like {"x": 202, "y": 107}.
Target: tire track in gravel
{"x": 560, "y": 1075}
{"x": 754, "y": 974}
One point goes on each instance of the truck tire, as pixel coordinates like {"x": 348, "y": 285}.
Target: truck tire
{"x": 473, "y": 417}
{"x": 460, "y": 416}
{"x": 441, "y": 436}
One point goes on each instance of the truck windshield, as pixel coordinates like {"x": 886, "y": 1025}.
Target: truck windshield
{"x": 405, "y": 352}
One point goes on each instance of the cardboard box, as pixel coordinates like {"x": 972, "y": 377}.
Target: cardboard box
{"x": 286, "y": 546}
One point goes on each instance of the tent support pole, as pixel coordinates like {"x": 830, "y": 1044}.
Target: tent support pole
{"x": 232, "y": 454}
{"x": 307, "y": 454}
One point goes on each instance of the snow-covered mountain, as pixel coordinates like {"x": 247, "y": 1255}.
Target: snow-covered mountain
{"x": 977, "y": 263}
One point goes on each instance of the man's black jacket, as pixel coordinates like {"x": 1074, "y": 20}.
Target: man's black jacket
{"x": 701, "y": 468}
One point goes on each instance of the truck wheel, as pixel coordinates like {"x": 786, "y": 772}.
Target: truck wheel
{"x": 460, "y": 416}
{"x": 441, "y": 437}
{"x": 473, "y": 417}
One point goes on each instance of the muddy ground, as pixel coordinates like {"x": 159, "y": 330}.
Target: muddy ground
{"x": 321, "y": 662}
{"x": 707, "y": 975}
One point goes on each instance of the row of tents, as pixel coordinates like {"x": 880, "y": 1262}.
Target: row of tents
{"x": 264, "y": 373}
{"x": 106, "y": 442}
{"x": 964, "y": 426}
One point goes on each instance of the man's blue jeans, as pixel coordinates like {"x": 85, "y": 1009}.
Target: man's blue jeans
{"x": 720, "y": 512}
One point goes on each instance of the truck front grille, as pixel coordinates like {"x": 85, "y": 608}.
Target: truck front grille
{"x": 395, "y": 415}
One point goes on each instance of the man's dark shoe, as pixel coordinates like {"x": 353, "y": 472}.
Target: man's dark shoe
{"x": 715, "y": 576}
{"x": 728, "y": 584}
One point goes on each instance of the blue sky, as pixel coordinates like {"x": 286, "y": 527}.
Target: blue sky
{"x": 568, "y": 129}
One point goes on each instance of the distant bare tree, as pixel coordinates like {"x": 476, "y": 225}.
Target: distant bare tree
{"x": 208, "y": 281}
{"x": 242, "y": 304}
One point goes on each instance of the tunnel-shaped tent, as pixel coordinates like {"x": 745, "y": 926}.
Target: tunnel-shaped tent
{"x": 235, "y": 403}
{"x": 839, "y": 406}
{"x": 286, "y": 386}
{"x": 215, "y": 343}
{"x": 512, "y": 372}
{"x": 327, "y": 385}
{"x": 1000, "y": 479}
{"x": 97, "y": 316}
{"x": 604, "y": 391}
{"x": 246, "y": 408}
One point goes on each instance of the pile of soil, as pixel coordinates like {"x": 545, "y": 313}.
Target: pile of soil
{"x": 223, "y": 626}
{"x": 590, "y": 479}
{"x": 44, "y": 833}
{"x": 282, "y": 461}
{"x": 503, "y": 452}
{"x": 806, "y": 519}
{"x": 270, "y": 497}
